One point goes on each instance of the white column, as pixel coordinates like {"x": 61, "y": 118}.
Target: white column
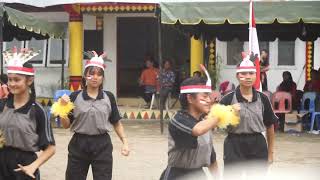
{"x": 110, "y": 47}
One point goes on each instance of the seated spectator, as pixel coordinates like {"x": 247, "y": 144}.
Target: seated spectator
{"x": 288, "y": 85}
{"x": 167, "y": 78}
{"x": 148, "y": 80}
{"x": 226, "y": 87}
{"x": 314, "y": 84}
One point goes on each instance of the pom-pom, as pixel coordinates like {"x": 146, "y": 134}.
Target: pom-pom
{"x": 226, "y": 114}
{"x": 2, "y": 140}
{"x": 58, "y": 109}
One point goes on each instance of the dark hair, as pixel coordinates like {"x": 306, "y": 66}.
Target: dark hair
{"x": 33, "y": 92}
{"x": 265, "y": 50}
{"x": 90, "y": 69}
{"x": 183, "y": 97}
{"x": 287, "y": 73}
{"x": 197, "y": 72}
{"x": 167, "y": 60}
{"x": 3, "y": 79}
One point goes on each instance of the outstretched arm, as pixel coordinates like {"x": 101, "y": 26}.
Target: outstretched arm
{"x": 204, "y": 126}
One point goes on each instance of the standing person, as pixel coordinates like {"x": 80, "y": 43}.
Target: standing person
{"x": 264, "y": 68}
{"x": 24, "y": 123}
{"x": 245, "y": 147}
{"x": 190, "y": 137}
{"x": 94, "y": 116}
{"x": 148, "y": 80}
{"x": 167, "y": 78}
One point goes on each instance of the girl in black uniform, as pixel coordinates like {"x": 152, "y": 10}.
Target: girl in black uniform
{"x": 190, "y": 137}
{"x": 24, "y": 123}
{"x": 245, "y": 147}
{"x": 94, "y": 116}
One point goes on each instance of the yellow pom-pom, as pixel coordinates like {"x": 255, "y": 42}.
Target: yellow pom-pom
{"x": 58, "y": 109}
{"x": 2, "y": 140}
{"x": 226, "y": 114}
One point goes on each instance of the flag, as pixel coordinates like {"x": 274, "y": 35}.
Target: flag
{"x": 254, "y": 45}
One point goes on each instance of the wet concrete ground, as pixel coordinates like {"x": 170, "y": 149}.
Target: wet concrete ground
{"x": 295, "y": 155}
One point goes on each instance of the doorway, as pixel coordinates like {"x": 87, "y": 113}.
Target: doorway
{"x": 136, "y": 37}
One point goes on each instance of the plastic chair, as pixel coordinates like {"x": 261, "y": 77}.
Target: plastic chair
{"x": 60, "y": 93}
{"x": 153, "y": 99}
{"x": 311, "y": 97}
{"x": 279, "y": 100}
{"x": 167, "y": 103}
{"x": 56, "y": 96}
{"x": 313, "y": 119}
{"x": 268, "y": 94}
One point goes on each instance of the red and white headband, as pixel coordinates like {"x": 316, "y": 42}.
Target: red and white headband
{"x": 198, "y": 88}
{"x": 246, "y": 64}
{"x": 96, "y": 60}
{"x": 15, "y": 60}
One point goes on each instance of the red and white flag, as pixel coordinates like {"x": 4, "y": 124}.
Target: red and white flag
{"x": 254, "y": 46}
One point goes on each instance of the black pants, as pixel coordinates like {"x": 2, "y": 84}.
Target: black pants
{"x": 9, "y": 160}
{"x": 246, "y": 153}
{"x": 147, "y": 97}
{"x": 174, "y": 173}
{"x": 164, "y": 93}
{"x": 85, "y": 150}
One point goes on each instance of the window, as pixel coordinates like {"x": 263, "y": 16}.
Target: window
{"x": 55, "y": 52}
{"x": 11, "y": 44}
{"x": 38, "y": 45}
{"x": 234, "y": 49}
{"x": 286, "y": 53}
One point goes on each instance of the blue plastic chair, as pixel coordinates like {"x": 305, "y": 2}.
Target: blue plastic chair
{"x": 60, "y": 93}
{"x": 311, "y": 96}
{"x": 56, "y": 96}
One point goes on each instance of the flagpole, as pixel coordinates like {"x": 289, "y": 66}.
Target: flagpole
{"x": 250, "y": 28}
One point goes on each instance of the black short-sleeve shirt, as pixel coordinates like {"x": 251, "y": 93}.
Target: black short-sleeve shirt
{"x": 180, "y": 129}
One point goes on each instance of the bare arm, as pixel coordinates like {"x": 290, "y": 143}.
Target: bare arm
{"x": 270, "y": 140}
{"x": 44, "y": 156}
{"x": 120, "y": 132}
{"x": 204, "y": 126}
{"x": 65, "y": 122}
{"x": 213, "y": 168}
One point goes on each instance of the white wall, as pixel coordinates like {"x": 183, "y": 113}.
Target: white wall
{"x": 317, "y": 54}
{"x": 275, "y": 73}
{"x": 47, "y": 80}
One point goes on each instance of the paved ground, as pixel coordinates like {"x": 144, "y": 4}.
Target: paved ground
{"x": 295, "y": 156}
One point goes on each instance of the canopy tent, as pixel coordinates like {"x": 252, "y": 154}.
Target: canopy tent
{"x": 19, "y": 25}
{"x": 227, "y": 20}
